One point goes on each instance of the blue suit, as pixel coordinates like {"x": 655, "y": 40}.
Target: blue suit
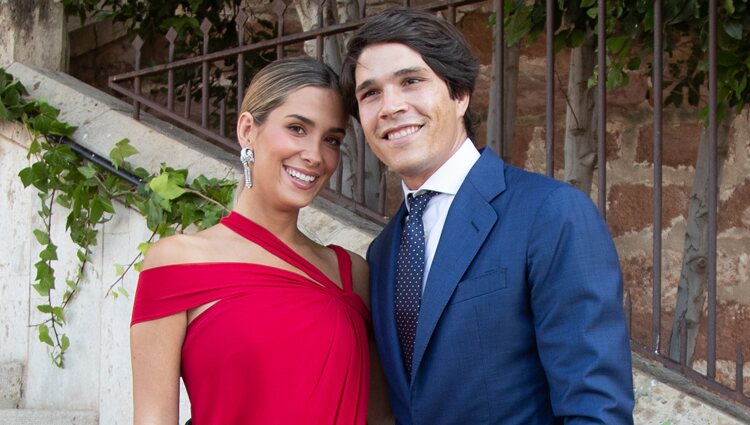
{"x": 521, "y": 321}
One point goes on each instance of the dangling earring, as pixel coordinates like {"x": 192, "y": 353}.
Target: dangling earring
{"x": 246, "y": 157}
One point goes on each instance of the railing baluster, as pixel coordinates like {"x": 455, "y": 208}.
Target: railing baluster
{"x": 360, "y": 174}
{"x": 657, "y": 195}
{"x": 340, "y": 178}
{"x": 205, "y": 28}
{"x": 683, "y": 343}
{"x": 171, "y": 36}
{"x": 739, "y": 378}
{"x": 137, "y": 45}
{"x": 550, "y": 117}
{"x": 319, "y": 38}
{"x": 240, "y": 20}
{"x": 629, "y": 313}
{"x": 499, "y": 71}
{"x": 279, "y": 6}
{"x": 712, "y": 190}
{"x": 223, "y": 116}
{"x": 188, "y": 99}
{"x": 601, "y": 107}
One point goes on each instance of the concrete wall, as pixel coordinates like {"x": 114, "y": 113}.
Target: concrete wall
{"x": 33, "y": 32}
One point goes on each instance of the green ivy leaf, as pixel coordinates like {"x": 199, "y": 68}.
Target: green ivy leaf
{"x": 49, "y": 253}
{"x": 166, "y": 187}
{"x": 576, "y": 38}
{"x": 122, "y": 150}
{"x": 615, "y": 44}
{"x": 119, "y": 269}
{"x": 59, "y": 314}
{"x": 42, "y": 121}
{"x": 729, "y": 6}
{"x": 44, "y": 308}
{"x": 143, "y": 247}
{"x": 733, "y": 29}
{"x": 44, "y": 335}
{"x": 64, "y": 343}
{"x": 634, "y": 63}
{"x": 87, "y": 171}
{"x": 34, "y": 148}
{"x": 41, "y": 289}
{"x": 41, "y": 236}
{"x": 81, "y": 256}
{"x": 123, "y": 291}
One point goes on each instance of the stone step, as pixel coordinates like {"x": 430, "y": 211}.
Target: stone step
{"x": 11, "y": 377}
{"x": 47, "y": 417}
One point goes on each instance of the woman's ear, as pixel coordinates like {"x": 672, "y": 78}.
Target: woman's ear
{"x": 245, "y": 128}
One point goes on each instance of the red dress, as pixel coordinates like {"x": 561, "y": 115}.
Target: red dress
{"x": 277, "y": 348}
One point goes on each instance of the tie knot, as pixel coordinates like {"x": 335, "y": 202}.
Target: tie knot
{"x": 417, "y": 204}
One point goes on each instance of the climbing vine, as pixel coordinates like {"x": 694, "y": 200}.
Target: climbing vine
{"x": 66, "y": 183}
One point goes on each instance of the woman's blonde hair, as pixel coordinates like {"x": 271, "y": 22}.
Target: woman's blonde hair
{"x": 272, "y": 84}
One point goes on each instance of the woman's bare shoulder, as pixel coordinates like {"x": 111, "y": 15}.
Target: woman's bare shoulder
{"x": 182, "y": 248}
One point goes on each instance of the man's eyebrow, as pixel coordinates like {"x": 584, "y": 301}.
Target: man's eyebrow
{"x": 363, "y": 85}
{"x": 409, "y": 71}
{"x": 399, "y": 73}
{"x": 311, "y": 123}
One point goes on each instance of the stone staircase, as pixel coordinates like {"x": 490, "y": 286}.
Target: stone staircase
{"x": 11, "y": 397}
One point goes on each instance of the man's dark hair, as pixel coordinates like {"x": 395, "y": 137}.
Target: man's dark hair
{"x": 439, "y": 43}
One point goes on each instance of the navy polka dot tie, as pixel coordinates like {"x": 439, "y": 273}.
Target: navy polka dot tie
{"x": 409, "y": 273}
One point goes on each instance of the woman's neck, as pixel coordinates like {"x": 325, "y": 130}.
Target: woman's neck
{"x": 282, "y": 223}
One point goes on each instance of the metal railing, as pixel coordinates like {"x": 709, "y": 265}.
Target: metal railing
{"x": 211, "y": 125}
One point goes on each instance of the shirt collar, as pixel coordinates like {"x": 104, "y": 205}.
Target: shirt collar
{"x": 448, "y": 178}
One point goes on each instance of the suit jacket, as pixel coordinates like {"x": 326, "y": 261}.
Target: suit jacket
{"x": 521, "y": 321}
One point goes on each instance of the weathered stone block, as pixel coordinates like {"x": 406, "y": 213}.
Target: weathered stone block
{"x": 679, "y": 144}
{"x": 630, "y": 206}
{"x": 11, "y": 384}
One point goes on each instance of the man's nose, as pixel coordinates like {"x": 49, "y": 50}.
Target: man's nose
{"x": 393, "y": 102}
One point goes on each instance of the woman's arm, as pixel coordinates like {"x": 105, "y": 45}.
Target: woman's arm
{"x": 379, "y": 407}
{"x": 155, "y": 357}
{"x": 155, "y": 348}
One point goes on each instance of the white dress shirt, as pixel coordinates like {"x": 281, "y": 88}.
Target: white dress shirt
{"x": 446, "y": 180}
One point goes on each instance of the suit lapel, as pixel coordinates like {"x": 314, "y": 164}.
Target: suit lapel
{"x": 384, "y": 321}
{"x": 467, "y": 225}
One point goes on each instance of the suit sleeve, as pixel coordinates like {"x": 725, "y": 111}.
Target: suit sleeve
{"x": 576, "y": 299}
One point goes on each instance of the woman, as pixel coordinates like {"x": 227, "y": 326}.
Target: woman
{"x": 264, "y": 325}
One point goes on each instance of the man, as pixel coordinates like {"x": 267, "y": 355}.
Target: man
{"x": 496, "y": 293}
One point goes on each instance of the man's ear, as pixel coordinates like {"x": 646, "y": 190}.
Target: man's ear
{"x": 246, "y": 127}
{"x": 462, "y": 104}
